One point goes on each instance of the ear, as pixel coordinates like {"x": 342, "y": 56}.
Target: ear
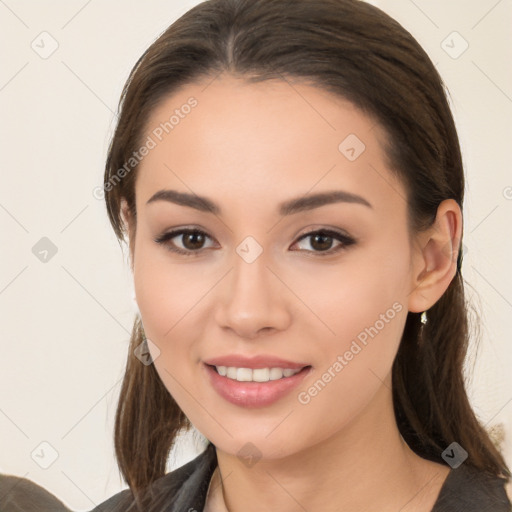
{"x": 435, "y": 257}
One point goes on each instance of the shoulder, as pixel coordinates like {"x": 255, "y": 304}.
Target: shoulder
{"x": 21, "y": 494}
{"x": 186, "y": 486}
{"x": 508, "y": 490}
{"x": 473, "y": 490}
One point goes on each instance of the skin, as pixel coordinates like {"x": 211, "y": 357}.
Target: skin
{"x": 248, "y": 147}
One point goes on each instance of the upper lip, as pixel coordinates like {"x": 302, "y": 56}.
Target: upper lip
{"x": 260, "y": 361}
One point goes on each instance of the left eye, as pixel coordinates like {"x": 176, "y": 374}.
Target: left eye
{"x": 323, "y": 240}
{"x": 193, "y": 240}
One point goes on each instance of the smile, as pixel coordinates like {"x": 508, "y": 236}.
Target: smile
{"x": 254, "y": 387}
{"x": 256, "y": 374}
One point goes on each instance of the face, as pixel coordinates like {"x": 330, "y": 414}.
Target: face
{"x": 262, "y": 281}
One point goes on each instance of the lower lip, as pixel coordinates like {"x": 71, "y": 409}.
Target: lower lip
{"x": 254, "y": 394}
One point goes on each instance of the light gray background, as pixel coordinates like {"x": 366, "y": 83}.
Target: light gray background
{"x": 66, "y": 322}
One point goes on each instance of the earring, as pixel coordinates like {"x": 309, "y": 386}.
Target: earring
{"x": 423, "y": 318}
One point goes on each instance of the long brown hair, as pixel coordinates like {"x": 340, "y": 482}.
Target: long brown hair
{"x": 359, "y": 53}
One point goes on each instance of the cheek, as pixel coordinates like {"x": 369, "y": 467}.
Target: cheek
{"x": 355, "y": 365}
{"x": 364, "y": 306}
{"x": 166, "y": 299}
{"x": 344, "y": 300}
{"x": 365, "y": 327}
{"x": 165, "y": 291}
{"x": 171, "y": 297}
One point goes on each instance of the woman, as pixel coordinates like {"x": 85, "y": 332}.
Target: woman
{"x": 248, "y": 118}
{"x": 289, "y": 181}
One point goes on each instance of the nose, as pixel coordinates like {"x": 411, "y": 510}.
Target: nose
{"x": 253, "y": 299}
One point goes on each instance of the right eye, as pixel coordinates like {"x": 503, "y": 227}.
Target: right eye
{"x": 192, "y": 241}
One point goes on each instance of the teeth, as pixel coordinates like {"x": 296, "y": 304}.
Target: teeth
{"x": 256, "y": 375}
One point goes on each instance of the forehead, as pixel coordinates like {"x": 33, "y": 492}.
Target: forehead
{"x": 264, "y": 141}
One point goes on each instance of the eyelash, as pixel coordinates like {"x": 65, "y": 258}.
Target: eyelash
{"x": 346, "y": 241}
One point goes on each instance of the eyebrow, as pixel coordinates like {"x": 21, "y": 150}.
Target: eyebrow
{"x": 289, "y": 207}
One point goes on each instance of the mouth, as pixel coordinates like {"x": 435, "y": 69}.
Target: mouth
{"x": 254, "y": 387}
{"x": 243, "y": 374}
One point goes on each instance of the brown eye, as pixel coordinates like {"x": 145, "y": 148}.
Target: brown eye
{"x": 322, "y": 241}
{"x": 192, "y": 241}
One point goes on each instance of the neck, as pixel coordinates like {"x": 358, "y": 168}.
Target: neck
{"x": 365, "y": 466}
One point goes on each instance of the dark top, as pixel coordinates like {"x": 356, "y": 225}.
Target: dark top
{"x": 184, "y": 489}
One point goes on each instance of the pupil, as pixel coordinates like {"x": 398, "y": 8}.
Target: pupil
{"x": 194, "y": 237}
{"x": 325, "y": 245}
